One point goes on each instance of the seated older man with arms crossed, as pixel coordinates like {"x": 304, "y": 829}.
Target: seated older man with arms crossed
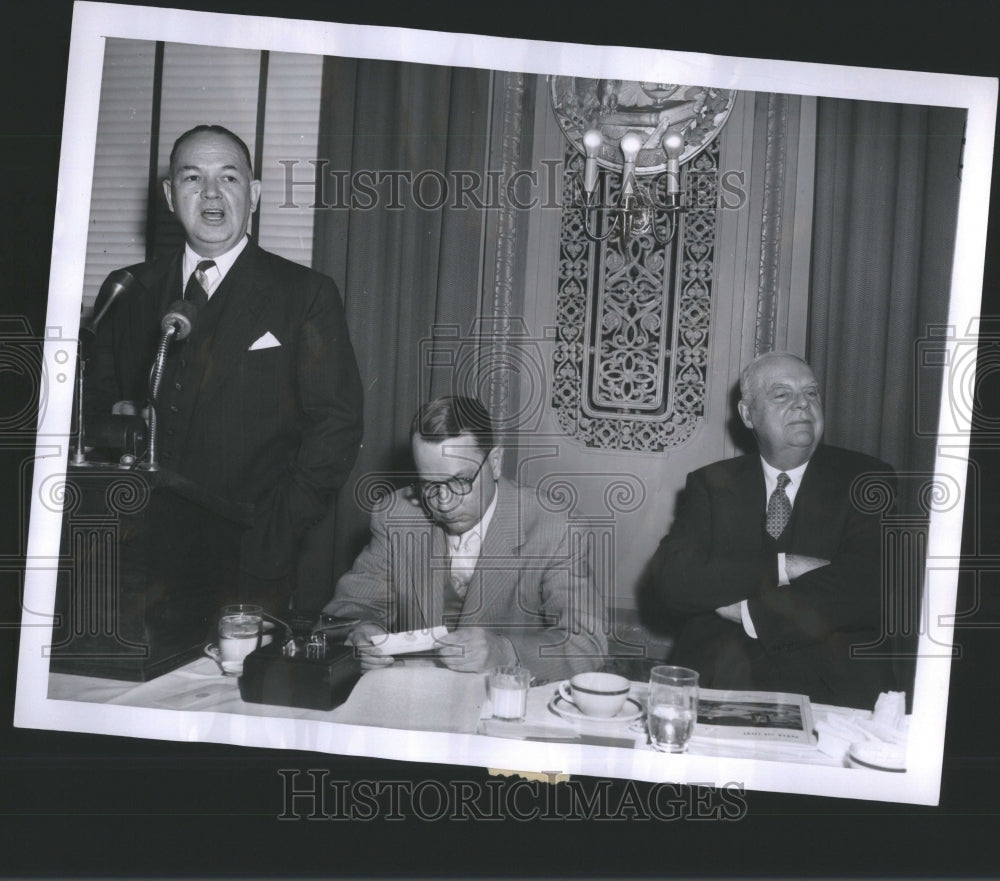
{"x": 772, "y": 569}
{"x": 474, "y": 552}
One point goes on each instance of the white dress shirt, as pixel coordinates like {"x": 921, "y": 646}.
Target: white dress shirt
{"x": 464, "y": 549}
{"x": 214, "y": 274}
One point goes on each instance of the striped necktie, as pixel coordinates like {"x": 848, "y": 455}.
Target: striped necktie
{"x": 196, "y": 291}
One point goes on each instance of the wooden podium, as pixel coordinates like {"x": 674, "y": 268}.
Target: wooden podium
{"x": 147, "y": 561}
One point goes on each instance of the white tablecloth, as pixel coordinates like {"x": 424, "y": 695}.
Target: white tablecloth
{"x": 416, "y": 696}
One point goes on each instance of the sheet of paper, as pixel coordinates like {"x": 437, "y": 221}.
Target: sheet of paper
{"x": 411, "y": 640}
{"x": 418, "y": 698}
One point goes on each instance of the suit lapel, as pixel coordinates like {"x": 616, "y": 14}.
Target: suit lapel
{"x": 433, "y": 608}
{"x": 748, "y": 501}
{"x": 138, "y": 329}
{"x": 503, "y": 542}
{"x": 248, "y": 301}
{"x": 811, "y": 512}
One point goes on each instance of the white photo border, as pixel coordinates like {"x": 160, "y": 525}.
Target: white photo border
{"x": 94, "y": 22}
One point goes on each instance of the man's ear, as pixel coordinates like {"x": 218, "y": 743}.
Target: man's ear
{"x": 496, "y": 462}
{"x": 168, "y": 193}
{"x": 744, "y": 409}
{"x": 255, "y": 187}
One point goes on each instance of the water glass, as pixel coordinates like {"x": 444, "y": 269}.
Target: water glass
{"x": 672, "y": 708}
{"x": 240, "y": 629}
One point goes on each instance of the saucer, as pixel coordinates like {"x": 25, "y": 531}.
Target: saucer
{"x": 877, "y": 756}
{"x": 630, "y": 711}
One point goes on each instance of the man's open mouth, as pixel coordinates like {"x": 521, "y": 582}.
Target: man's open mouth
{"x": 213, "y": 215}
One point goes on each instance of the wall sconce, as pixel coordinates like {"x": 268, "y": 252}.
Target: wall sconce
{"x": 642, "y": 130}
{"x": 635, "y": 212}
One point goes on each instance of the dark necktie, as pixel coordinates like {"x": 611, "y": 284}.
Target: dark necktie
{"x": 779, "y": 509}
{"x": 196, "y": 291}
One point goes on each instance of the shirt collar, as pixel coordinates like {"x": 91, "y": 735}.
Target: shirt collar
{"x": 794, "y": 479}
{"x": 456, "y": 541}
{"x": 223, "y": 263}
{"x": 794, "y": 474}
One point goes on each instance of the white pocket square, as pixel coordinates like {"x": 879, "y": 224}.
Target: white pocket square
{"x": 268, "y": 341}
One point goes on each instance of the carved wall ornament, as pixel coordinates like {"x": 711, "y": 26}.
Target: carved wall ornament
{"x": 616, "y": 107}
{"x": 632, "y": 322}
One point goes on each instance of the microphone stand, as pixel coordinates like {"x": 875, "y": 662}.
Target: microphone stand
{"x": 154, "y": 382}
{"x": 175, "y": 324}
{"x": 116, "y": 284}
{"x": 80, "y": 454}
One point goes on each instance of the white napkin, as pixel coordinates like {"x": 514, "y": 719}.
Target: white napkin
{"x": 877, "y": 738}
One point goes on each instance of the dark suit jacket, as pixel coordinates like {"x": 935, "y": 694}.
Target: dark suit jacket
{"x": 718, "y": 553}
{"x": 277, "y": 427}
{"x": 532, "y": 584}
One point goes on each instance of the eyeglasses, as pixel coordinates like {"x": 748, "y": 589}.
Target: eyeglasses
{"x": 431, "y": 490}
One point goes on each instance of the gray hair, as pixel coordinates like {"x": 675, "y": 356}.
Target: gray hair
{"x": 748, "y": 376}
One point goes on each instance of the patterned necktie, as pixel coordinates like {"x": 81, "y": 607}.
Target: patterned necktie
{"x": 779, "y": 509}
{"x": 196, "y": 291}
{"x": 463, "y": 562}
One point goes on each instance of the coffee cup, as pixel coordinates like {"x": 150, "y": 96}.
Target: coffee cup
{"x": 596, "y": 694}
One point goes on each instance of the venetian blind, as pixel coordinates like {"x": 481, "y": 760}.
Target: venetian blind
{"x": 291, "y": 131}
{"x": 202, "y": 84}
{"x": 117, "y": 233}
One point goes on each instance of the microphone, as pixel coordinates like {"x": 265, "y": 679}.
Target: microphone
{"x": 180, "y": 317}
{"x": 176, "y": 324}
{"x": 116, "y": 284}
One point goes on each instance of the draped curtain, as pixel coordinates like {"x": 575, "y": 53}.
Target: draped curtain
{"x": 395, "y": 137}
{"x": 887, "y": 181}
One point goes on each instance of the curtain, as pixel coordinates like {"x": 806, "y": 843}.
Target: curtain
{"x": 406, "y": 256}
{"x": 887, "y": 183}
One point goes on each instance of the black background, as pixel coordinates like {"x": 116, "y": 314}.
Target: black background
{"x": 77, "y": 805}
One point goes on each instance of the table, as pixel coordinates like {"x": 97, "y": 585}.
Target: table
{"x": 420, "y": 696}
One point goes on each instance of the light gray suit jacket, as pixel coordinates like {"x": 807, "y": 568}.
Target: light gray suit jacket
{"x": 532, "y": 583}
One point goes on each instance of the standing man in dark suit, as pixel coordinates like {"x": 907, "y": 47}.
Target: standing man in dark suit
{"x": 772, "y": 569}
{"x": 262, "y": 403}
{"x": 468, "y": 550}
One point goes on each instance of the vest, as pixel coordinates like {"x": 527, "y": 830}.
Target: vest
{"x": 183, "y": 375}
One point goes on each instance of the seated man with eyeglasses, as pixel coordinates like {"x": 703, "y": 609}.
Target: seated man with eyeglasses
{"x": 469, "y": 550}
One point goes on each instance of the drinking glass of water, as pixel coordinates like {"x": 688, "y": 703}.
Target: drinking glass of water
{"x": 239, "y": 634}
{"x": 672, "y": 708}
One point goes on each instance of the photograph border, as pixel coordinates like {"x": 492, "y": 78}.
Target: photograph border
{"x": 92, "y": 22}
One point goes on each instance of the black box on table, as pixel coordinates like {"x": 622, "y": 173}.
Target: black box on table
{"x": 272, "y": 677}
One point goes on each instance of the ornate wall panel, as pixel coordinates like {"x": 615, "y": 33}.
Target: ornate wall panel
{"x": 497, "y": 341}
{"x": 772, "y": 217}
{"x": 632, "y": 323}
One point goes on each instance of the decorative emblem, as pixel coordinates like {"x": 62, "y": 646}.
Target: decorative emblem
{"x": 652, "y": 110}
